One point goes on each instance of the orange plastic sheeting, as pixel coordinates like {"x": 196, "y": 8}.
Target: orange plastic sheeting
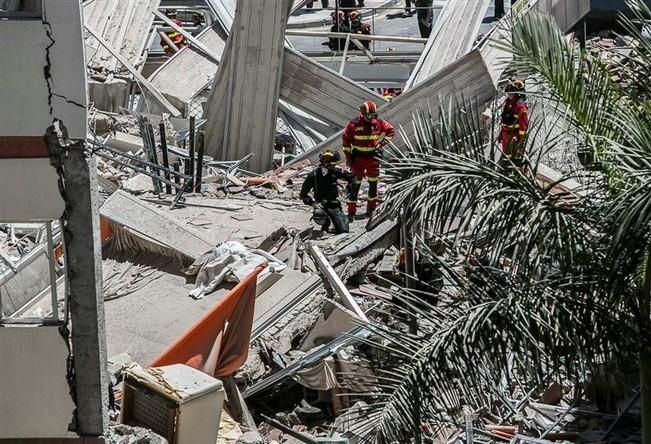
{"x": 218, "y": 343}
{"x": 105, "y": 228}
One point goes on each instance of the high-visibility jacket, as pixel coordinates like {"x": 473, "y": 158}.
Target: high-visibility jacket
{"x": 361, "y": 137}
{"x": 176, "y": 37}
{"x": 515, "y": 123}
{"x": 515, "y": 116}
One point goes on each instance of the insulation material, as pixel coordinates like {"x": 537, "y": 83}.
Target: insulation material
{"x": 321, "y": 376}
{"x": 230, "y": 262}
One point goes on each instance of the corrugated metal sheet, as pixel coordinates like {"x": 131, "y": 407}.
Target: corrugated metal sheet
{"x": 466, "y": 78}
{"x": 454, "y": 35}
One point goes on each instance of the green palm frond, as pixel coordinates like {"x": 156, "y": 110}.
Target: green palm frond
{"x": 580, "y": 85}
{"x": 489, "y": 328}
{"x": 453, "y": 186}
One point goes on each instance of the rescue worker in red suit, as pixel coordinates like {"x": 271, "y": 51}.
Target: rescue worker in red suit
{"x": 176, "y": 37}
{"x": 515, "y": 122}
{"x": 363, "y": 140}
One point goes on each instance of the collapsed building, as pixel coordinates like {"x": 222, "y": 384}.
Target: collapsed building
{"x": 157, "y": 260}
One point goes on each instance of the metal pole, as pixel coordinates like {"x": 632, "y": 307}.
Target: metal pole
{"x": 200, "y": 146}
{"x": 373, "y": 30}
{"x": 165, "y": 154}
{"x": 191, "y": 150}
{"x": 177, "y": 179}
{"x": 381, "y": 38}
{"x": 53, "y": 277}
{"x": 154, "y": 155}
{"x": 343, "y": 58}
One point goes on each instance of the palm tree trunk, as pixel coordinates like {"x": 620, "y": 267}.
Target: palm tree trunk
{"x": 645, "y": 351}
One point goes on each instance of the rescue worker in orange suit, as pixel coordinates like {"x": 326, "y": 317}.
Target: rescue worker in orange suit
{"x": 363, "y": 140}
{"x": 176, "y": 37}
{"x": 515, "y": 121}
{"x": 358, "y": 27}
{"x": 322, "y": 182}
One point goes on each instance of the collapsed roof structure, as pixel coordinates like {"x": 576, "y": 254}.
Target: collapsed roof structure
{"x": 196, "y": 198}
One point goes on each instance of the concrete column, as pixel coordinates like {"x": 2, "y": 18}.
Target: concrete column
{"x": 78, "y": 186}
{"x": 242, "y": 108}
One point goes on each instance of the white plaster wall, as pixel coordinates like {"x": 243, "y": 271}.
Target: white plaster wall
{"x": 29, "y": 191}
{"x": 24, "y": 92}
{"x": 34, "y": 394}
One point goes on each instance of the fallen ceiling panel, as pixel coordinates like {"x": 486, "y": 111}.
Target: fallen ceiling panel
{"x": 321, "y": 91}
{"x": 454, "y": 35}
{"x": 225, "y": 12}
{"x": 187, "y": 73}
{"x": 124, "y": 24}
{"x": 468, "y": 77}
{"x": 241, "y": 113}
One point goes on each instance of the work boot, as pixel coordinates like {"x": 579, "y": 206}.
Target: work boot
{"x": 369, "y": 212}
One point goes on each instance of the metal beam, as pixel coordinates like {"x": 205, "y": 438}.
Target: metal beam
{"x": 343, "y": 35}
{"x": 196, "y": 43}
{"x": 335, "y": 282}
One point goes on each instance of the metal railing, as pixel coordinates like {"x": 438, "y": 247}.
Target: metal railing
{"x": 372, "y": 12}
{"x": 37, "y": 308}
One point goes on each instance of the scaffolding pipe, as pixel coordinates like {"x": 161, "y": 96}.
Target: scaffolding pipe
{"x": 380, "y": 38}
{"x": 53, "y": 277}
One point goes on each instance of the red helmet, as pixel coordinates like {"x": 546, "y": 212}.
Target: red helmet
{"x": 354, "y": 15}
{"x": 340, "y": 14}
{"x": 368, "y": 109}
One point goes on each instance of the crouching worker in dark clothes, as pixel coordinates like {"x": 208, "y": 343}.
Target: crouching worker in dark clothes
{"x": 322, "y": 182}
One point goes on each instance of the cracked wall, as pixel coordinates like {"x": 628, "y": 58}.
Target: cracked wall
{"x": 43, "y": 78}
{"x": 43, "y": 72}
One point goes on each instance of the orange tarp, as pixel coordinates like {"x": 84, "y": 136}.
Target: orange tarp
{"x": 218, "y": 343}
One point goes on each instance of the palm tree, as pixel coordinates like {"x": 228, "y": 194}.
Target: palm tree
{"x": 540, "y": 280}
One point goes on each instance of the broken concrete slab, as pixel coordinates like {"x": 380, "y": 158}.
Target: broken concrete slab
{"x": 453, "y": 36}
{"x": 143, "y": 220}
{"x": 257, "y": 43}
{"x": 335, "y": 321}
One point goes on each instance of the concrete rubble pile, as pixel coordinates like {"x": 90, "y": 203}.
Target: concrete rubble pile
{"x": 169, "y": 211}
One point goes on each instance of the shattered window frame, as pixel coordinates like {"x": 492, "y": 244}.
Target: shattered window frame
{"x": 21, "y": 10}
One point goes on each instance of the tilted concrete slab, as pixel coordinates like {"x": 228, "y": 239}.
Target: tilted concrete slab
{"x": 144, "y": 221}
{"x": 124, "y": 24}
{"x": 321, "y": 91}
{"x": 473, "y": 77}
{"x": 467, "y": 78}
{"x": 454, "y": 35}
{"x": 242, "y": 109}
